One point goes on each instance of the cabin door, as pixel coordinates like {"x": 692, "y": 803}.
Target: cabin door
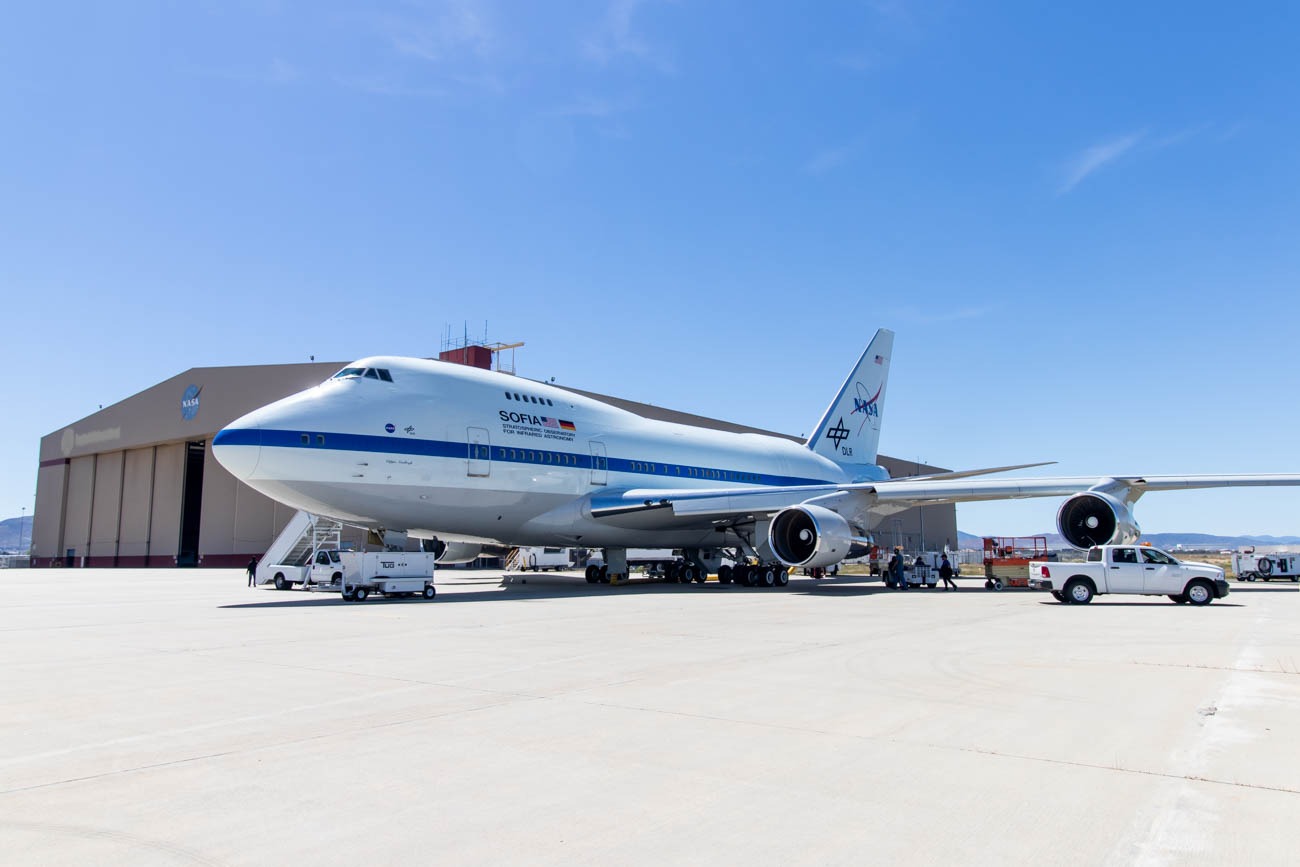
{"x": 480, "y": 452}
{"x": 599, "y": 464}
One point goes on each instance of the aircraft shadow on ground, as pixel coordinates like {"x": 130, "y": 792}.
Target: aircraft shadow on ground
{"x": 553, "y": 590}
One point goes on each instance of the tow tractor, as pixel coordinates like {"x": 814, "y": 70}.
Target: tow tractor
{"x": 356, "y": 575}
{"x": 1006, "y": 559}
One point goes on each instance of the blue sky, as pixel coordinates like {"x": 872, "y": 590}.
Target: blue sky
{"x": 1081, "y": 223}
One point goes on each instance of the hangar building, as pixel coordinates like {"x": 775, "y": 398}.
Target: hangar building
{"x": 135, "y": 484}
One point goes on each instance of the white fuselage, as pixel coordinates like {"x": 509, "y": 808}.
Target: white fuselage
{"x": 460, "y": 453}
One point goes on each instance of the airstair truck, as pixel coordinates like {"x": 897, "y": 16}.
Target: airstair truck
{"x": 357, "y": 574}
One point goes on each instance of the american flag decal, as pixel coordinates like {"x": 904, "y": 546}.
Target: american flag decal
{"x": 550, "y": 422}
{"x": 880, "y": 359}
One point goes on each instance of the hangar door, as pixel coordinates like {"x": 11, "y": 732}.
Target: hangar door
{"x": 187, "y": 554}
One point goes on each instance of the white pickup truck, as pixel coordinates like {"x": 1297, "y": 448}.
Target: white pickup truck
{"x": 1135, "y": 569}
{"x": 356, "y": 574}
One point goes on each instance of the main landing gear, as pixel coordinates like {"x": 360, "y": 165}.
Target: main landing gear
{"x": 762, "y": 575}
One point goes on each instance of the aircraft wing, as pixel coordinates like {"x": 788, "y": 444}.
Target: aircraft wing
{"x": 866, "y": 502}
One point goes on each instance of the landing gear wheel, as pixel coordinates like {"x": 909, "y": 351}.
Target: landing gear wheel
{"x": 724, "y": 574}
{"x": 1078, "y": 592}
{"x": 782, "y": 577}
{"x": 429, "y": 591}
{"x": 593, "y": 574}
{"x": 767, "y": 575}
{"x": 701, "y": 575}
{"x": 360, "y": 594}
{"x": 280, "y": 583}
{"x": 1178, "y": 598}
{"x": 602, "y": 574}
{"x": 1199, "y": 593}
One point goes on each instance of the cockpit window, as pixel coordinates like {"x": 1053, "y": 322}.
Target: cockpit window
{"x": 366, "y": 372}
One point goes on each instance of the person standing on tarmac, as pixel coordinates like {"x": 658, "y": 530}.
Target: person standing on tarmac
{"x": 252, "y": 571}
{"x": 896, "y": 569}
{"x": 945, "y": 573}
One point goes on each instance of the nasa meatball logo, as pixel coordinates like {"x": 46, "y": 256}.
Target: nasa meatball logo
{"x": 190, "y": 402}
{"x": 390, "y": 427}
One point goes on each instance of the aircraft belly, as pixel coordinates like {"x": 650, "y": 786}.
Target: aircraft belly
{"x": 415, "y": 493}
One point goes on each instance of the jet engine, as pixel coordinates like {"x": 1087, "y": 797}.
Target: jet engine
{"x": 810, "y": 536}
{"x": 454, "y": 552}
{"x": 1096, "y": 518}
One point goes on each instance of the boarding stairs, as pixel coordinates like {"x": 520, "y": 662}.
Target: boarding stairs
{"x": 301, "y": 538}
{"x": 515, "y": 561}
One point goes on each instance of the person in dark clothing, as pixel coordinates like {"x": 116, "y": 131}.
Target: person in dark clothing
{"x": 252, "y": 571}
{"x": 896, "y": 570}
{"x": 945, "y": 573}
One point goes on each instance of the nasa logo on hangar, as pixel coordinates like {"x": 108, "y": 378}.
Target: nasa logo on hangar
{"x": 190, "y": 402}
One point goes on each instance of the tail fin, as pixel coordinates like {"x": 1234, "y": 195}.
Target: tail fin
{"x": 849, "y": 431}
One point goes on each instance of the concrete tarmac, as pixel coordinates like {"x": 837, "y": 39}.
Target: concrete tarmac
{"x": 177, "y": 717}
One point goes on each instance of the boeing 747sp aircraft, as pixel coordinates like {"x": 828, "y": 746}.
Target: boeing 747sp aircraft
{"x": 432, "y": 449}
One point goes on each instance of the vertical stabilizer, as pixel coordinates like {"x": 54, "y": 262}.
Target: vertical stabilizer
{"x": 849, "y": 431}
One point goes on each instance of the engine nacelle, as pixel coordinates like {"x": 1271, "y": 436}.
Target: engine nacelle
{"x": 1096, "y": 518}
{"x": 454, "y": 552}
{"x": 810, "y": 536}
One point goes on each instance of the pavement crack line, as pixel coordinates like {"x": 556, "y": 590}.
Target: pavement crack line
{"x": 280, "y": 744}
{"x": 951, "y": 748}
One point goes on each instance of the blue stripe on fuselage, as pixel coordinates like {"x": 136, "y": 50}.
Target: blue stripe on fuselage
{"x": 504, "y": 454}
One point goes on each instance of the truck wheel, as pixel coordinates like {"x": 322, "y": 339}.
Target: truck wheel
{"x": 360, "y": 594}
{"x": 1199, "y": 593}
{"x": 280, "y": 583}
{"x": 347, "y": 596}
{"x": 1078, "y": 592}
{"x": 429, "y": 592}
{"x": 1056, "y": 594}
{"x": 997, "y": 583}
{"x": 1178, "y": 598}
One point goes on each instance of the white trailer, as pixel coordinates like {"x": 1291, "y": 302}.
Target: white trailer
{"x": 357, "y": 574}
{"x": 542, "y": 559}
{"x": 1250, "y": 566}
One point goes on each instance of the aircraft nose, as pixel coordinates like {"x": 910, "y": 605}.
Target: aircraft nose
{"x": 238, "y": 447}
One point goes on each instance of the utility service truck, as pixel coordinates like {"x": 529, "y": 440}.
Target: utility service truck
{"x": 1134, "y": 569}
{"x": 1250, "y": 566}
{"x": 357, "y": 574}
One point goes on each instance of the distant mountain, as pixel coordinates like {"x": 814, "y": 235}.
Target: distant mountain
{"x": 9, "y": 540}
{"x": 1161, "y": 540}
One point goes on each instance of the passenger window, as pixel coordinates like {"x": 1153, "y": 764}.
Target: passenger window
{"x": 548, "y": 402}
{"x": 320, "y": 439}
{"x": 306, "y": 440}
{"x": 517, "y": 397}
{"x": 507, "y": 395}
